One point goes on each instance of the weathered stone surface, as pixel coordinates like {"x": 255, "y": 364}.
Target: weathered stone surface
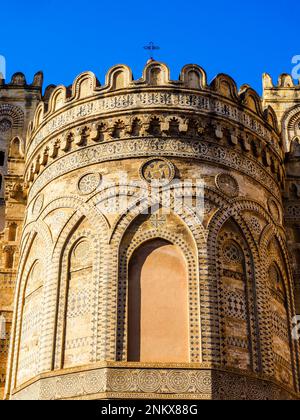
{"x": 18, "y": 102}
{"x": 90, "y": 253}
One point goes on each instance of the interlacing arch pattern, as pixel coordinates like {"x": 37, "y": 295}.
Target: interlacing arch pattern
{"x": 233, "y": 252}
{"x": 75, "y": 238}
{"x": 97, "y": 234}
{"x": 53, "y": 254}
{"x": 109, "y": 341}
{"x": 260, "y": 287}
{"x": 30, "y": 256}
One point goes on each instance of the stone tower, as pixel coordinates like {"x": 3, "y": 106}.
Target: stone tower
{"x": 155, "y": 254}
{"x": 18, "y": 102}
{"x": 285, "y": 100}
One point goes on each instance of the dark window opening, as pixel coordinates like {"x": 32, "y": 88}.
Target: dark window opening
{"x": 2, "y": 158}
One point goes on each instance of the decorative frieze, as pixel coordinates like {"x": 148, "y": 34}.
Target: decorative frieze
{"x": 150, "y": 383}
{"x": 133, "y": 148}
{"x": 157, "y": 100}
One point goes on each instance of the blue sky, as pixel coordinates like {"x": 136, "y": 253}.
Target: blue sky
{"x": 65, "y": 38}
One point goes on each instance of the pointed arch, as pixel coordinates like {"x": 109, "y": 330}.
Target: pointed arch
{"x": 274, "y": 250}
{"x": 236, "y": 297}
{"x": 144, "y": 204}
{"x": 253, "y": 293}
{"x": 78, "y": 328}
{"x": 15, "y": 150}
{"x": 36, "y": 249}
{"x": 135, "y": 237}
{"x": 78, "y": 281}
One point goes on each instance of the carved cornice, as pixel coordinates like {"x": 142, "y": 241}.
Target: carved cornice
{"x": 120, "y": 104}
{"x": 116, "y": 380}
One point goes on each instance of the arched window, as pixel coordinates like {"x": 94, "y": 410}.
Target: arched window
{"x": 15, "y": 148}
{"x": 295, "y": 147}
{"x": 9, "y": 253}
{"x": 2, "y": 158}
{"x": 79, "y": 310}
{"x": 158, "y": 320}
{"x": 12, "y": 232}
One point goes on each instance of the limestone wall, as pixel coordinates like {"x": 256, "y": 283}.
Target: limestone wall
{"x": 97, "y": 159}
{"x": 18, "y": 101}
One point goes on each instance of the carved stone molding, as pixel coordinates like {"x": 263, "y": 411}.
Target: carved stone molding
{"x": 228, "y": 185}
{"x": 38, "y": 205}
{"x": 129, "y": 102}
{"x": 167, "y": 148}
{"x": 152, "y": 382}
{"x": 157, "y": 172}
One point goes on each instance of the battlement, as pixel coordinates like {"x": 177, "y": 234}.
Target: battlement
{"x": 155, "y": 76}
{"x": 284, "y": 99}
{"x": 18, "y": 81}
{"x": 285, "y": 91}
{"x": 69, "y": 119}
{"x": 285, "y": 81}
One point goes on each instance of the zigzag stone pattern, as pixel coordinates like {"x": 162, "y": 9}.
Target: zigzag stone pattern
{"x": 97, "y": 159}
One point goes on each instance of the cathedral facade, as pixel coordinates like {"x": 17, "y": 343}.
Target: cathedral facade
{"x": 150, "y": 243}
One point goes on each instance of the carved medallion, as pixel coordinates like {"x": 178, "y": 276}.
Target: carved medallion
{"x": 89, "y": 183}
{"x": 158, "y": 172}
{"x": 228, "y": 185}
{"x": 232, "y": 254}
{"x": 5, "y": 125}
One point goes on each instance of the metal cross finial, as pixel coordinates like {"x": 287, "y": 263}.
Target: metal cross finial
{"x": 151, "y": 47}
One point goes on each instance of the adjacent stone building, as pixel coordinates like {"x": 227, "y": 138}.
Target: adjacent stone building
{"x": 150, "y": 237}
{"x": 18, "y": 102}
